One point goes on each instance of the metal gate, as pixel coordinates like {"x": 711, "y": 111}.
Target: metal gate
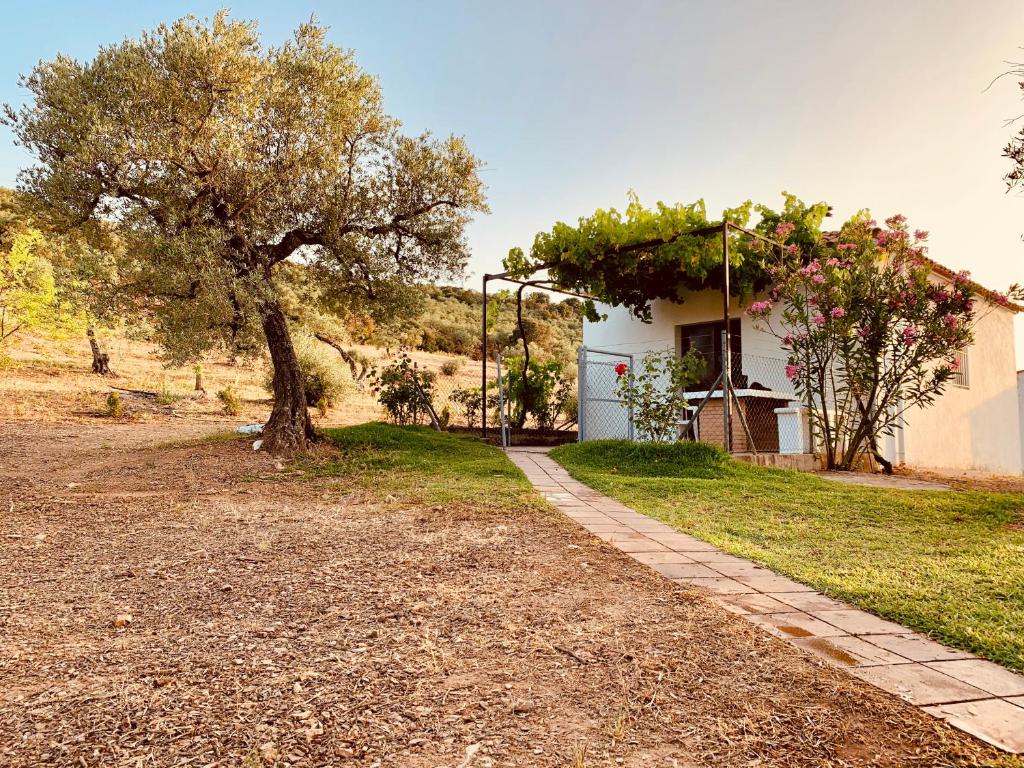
{"x": 602, "y": 415}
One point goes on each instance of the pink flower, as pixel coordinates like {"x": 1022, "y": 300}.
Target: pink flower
{"x": 784, "y": 229}
{"x": 832, "y": 261}
{"x": 954, "y": 366}
{"x": 909, "y": 335}
{"x": 620, "y": 369}
{"x": 895, "y": 221}
{"x": 881, "y": 239}
{"x": 792, "y": 249}
{"x": 838, "y": 312}
{"x": 793, "y": 371}
{"x": 818, "y": 278}
{"x": 787, "y": 339}
{"x": 818, "y": 320}
{"x": 920, "y": 234}
{"x": 759, "y": 308}
{"x": 1000, "y": 298}
{"x": 962, "y": 277}
{"x": 846, "y": 246}
{"x": 864, "y": 332}
{"x": 950, "y": 321}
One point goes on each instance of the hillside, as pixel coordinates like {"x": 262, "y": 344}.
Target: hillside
{"x": 48, "y": 380}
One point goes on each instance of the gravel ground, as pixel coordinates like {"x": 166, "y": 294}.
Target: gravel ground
{"x": 204, "y": 605}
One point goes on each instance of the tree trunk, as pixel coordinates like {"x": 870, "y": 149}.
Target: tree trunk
{"x": 289, "y": 428}
{"x": 100, "y": 359}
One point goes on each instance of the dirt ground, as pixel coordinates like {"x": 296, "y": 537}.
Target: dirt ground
{"x": 168, "y": 604}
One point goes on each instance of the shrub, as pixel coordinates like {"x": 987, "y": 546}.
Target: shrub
{"x": 396, "y": 390}
{"x": 544, "y": 394}
{"x": 451, "y": 367}
{"x": 324, "y": 382}
{"x": 653, "y": 392}
{"x": 232, "y": 402}
{"x": 467, "y": 400}
{"x": 115, "y": 406}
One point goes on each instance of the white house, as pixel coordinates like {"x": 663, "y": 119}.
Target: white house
{"x": 975, "y": 425}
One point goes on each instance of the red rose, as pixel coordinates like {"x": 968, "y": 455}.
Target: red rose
{"x": 620, "y": 369}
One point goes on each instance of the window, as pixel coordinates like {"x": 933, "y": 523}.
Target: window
{"x": 962, "y": 369}
{"x": 706, "y": 338}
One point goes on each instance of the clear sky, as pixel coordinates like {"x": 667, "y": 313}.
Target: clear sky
{"x": 571, "y": 104}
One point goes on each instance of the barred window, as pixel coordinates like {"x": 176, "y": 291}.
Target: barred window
{"x": 962, "y": 369}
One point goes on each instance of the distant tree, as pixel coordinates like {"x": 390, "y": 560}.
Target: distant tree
{"x": 30, "y": 297}
{"x": 216, "y": 160}
{"x": 1014, "y": 150}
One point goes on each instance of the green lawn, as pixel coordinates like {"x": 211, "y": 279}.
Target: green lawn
{"x": 421, "y": 465}
{"x": 950, "y": 564}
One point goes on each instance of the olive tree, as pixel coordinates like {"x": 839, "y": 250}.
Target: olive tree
{"x": 215, "y": 159}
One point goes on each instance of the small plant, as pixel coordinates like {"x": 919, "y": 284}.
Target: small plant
{"x": 322, "y": 407}
{"x": 115, "y": 406}
{"x": 165, "y": 396}
{"x": 444, "y": 418}
{"x": 468, "y": 401}
{"x": 544, "y": 394}
{"x": 654, "y": 394}
{"x": 396, "y": 389}
{"x": 451, "y": 367}
{"x": 232, "y": 402}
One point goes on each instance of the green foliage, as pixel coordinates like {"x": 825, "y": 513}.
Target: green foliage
{"x": 542, "y": 394}
{"x": 215, "y": 162}
{"x": 231, "y": 401}
{"x": 449, "y": 321}
{"x": 114, "y": 405}
{"x": 29, "y": 295}
{"x": 468, "y": 401}
{"x": 946, "y": 563}
{"x": 647, "y": 459}
{"x": 630, "y": 259}
{"x": 164, "y": 395}
{"x": 654, "y": 392}
{"x": 396, "y": 390}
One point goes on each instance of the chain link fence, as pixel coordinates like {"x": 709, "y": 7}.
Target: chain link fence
{"x": 764, "y": 416}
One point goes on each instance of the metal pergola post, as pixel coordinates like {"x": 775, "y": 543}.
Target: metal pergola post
{"x": 726, "y": 344}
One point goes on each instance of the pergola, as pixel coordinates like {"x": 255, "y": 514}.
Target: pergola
{"x": 716, "y": 230}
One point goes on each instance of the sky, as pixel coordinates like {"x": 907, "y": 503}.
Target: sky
{"x": 572, "y": 104}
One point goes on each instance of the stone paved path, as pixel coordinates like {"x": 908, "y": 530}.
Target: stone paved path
{"x": 975, "y": 695}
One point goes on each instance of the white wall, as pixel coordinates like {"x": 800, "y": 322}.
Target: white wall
{"x": 974, "y": 428}
{"x": 763, "y": 360}
{"x": 978, "y": 428}
{"x": 1020, "y": 410}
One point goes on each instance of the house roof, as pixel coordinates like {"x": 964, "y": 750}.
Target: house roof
{"x": 995, "y": 297}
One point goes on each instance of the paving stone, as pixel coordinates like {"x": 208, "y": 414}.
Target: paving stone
{"x": 795, "y": 624}
{"x": 721, "y": 586}
{"x": 916, "y": 647}
{"x": 810, "y": 601}
{"x": 995, "y": 721}
{"x": 650, "y": 527}
{"x": 741, "y": 568}
{"x": 846, "y": 651}
{"x": 704, "y": 554}
{"x": 755, "y": 602}
{"x": 605, "y": 527}
{"x": 633, "y": 542}
{"x": 856, "y": 622}
{"x": 1018, "y": 700}
{"x": 666, "y": 556}
{"x": 982, "y": 674}
{"x": 918, "y": 684}
{"x": 684, "y": 570}
{"x": 770, "y": 582}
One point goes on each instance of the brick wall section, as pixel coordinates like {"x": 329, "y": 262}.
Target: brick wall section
{"x": 760, "y": 414}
